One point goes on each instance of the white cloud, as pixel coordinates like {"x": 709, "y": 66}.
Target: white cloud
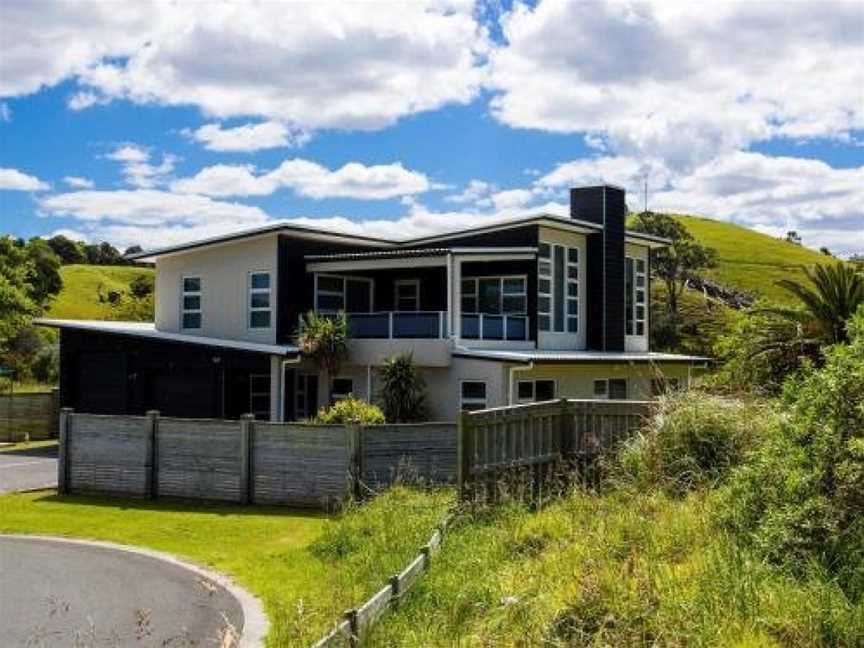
{"x": 77, "y": 182}
{"x": 354, "y": 180}
{"x": 70, "y": 234}
{"x": 477, "y": 192}
{"x": 682, "y": 82}
{"x": 316, "y": 65}
{"x": 15, "y": 180}
{"x": 249, "y": 137}
{"x": 137, "y": 167}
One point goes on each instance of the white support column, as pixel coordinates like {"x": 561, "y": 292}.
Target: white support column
{"x": 450, "y": 292}
{"x": 457, "y": 299}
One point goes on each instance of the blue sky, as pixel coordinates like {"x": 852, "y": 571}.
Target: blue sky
{"x": 153, "y": 124}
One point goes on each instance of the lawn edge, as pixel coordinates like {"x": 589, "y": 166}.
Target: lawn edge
{"x": 255, "y": 622}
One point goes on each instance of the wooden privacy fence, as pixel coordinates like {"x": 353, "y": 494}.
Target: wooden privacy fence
{"x": 245, "y": 461}
{"x": 32, "y": 416}
{"x": 529, "y": 445}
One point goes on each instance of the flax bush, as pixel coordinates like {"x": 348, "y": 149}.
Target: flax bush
{"x": 350, "y": 411}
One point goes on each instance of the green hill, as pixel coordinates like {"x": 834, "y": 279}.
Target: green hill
{"x": 750, "y": 261}
{"x": 79, "y": 298}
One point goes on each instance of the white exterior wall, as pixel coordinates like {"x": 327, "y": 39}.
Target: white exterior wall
{"x": 224, "y": 271}
{"x": 568, "y": 341}
{"x": 640, "y": 342}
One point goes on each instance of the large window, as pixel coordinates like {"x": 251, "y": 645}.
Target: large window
{"x": 611, "y": 388}
{"x": 259, "y": 396}
{"x": 472, "y": 395}
{"x": 350, "y": 294}
{"x": 259, "y": 300}
{"x": 529, "y": 391}
{"x": 190, "y": 306}
{"x": 495, "y": 295}
{"x": 635, "y": 287}
{"x": 407, "y": 297}
{"x": 558, "y": 288}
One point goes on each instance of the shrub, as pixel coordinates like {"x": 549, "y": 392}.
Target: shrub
{"x": 403, "y": 390}
{"x": 800, "y": 498}
{"x": 691, "y": 441}
{"x": 350, "y": 411}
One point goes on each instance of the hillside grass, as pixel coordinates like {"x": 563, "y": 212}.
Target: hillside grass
{"x": 307, "y": 568}
{"x": 79, "y": 298}
{"x": 749, "y": 260}
{"x": 621, "y": 569}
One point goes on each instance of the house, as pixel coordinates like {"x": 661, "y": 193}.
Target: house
{"x": 531, "y": 309}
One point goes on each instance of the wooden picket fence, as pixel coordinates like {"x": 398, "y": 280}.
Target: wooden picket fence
{"x": 532, "y": 448}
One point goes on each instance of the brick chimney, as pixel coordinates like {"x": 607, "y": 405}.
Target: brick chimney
{"x": 606, "y": 206}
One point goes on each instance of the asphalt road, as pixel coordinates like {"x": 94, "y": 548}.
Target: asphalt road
{"x": 28, "y": 469}
{"x": 61, "y": 594}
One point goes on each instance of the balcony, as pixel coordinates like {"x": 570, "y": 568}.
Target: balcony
{"x": 398, "y": 325}
{"x": 483, "y": 326}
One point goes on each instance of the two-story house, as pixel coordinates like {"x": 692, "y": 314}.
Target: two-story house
{"x": 532, "y": 309}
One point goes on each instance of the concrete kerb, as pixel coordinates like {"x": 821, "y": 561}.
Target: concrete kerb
{"x": 255, "y": 623}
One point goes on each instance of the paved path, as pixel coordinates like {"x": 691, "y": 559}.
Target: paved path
{"x": 55, "y": 593}
{"x": 28, "y": 469}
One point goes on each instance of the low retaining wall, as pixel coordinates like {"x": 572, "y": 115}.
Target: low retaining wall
{"x": 246, "y": 461}
{"x": 29, "y": 415}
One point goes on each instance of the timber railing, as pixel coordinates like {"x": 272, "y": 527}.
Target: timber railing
{"x": 531, "y": 446}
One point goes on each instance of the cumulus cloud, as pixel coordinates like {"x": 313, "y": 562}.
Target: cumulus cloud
{"x": 15, "y": 180}
{"x": 681, "y": 82}
{"x": 77, "y": 182}
{"x": 309, "y": 179}
{"x": 249, "y": 137}
{"x": 334, "y": 65}
{"x": 138, "y": 168}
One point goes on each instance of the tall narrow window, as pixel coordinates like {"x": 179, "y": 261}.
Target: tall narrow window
{"x": 259, "y": 396}
{"x": 635, "y": 287}
{"x": 259, "y": 300}
{"x": 191, "y": 303}
{"x": 572, "y": 290}
{"x": 558, "y": 288}
{"x": 544, "y": 287}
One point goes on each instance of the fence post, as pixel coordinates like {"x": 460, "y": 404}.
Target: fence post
{"x": 247, "y": 423}
{"x": 65, "y": 420}
{"x": 351, "y": 618}
{"x": 463, "y": 454}
{"x": 394, "y": 591}
{"x": 152, "y": 453}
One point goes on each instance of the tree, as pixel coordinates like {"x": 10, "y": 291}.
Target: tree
{"x": 824, "y": 250}
{"x": 793, "y": 237}
{"x": 135, "y": 249}
{"x": 676, "y": 263}
{"x": 324, "y": 339}
{"x": 141, "y": 286}
{"x": 44, "y": 277}
{"x": 833, "y": 295}
{"x": 68, "y": 250}
{"x": 17, "y": 303}
{"x": 403, "y": 390}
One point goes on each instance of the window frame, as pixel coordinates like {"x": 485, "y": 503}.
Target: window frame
{"x": 546, "y": 318}
{"x": 475, "y": 294}
{"x": 259, "y": 394}
{"x": 251, "y": 292}
{"x": 473, "y": 400}
{"x": 635, "y": 296}
{"x": 396, "y": 298}
{"x": 533, "y": 382}
{"x": 191, "y": 311}
{"x": 343, "y": 293}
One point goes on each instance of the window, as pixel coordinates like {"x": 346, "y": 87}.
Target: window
{"x": 407, "y": 295}
{"x": 473, "y": 395}
{"x": 191, "y": 303}
{"x": 635, "y": 286}
{"x": 259, "y": 300}
{"x": 349, "y": 294}
{"x": 611, "y": 388}
{"x": 558, "y": 288}
{"x": 259, "y": 396}
{"x": 495, "y": 295}
{"x": 342, "y": 389}
{"x": 529, "y": 391}
{"x": 660, "y": 386}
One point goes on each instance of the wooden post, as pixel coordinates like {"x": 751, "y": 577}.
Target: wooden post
{"x": 394, "y": 590}
{"x": 152, "y": 454}
{"x": 464, "y": 455}
{"x": 351, "y": 618}
{"x": 247, "y": 423}
{"x": 65, "y": 421}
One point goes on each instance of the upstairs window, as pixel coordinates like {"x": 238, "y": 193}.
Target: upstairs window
{"x": 407, "y": 296}
{"x": 259, "y": 300}
{"x": 495, "y": 295}
{"x": 635, "y": 287}
{"x": 557, "y": 288}
{"x": 350, "y": 294}
{"x": 190, "y": 305}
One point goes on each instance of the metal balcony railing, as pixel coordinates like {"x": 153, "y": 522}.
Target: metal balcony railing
{"x": 398, "y": 325}
{"x": 483, "y": 326}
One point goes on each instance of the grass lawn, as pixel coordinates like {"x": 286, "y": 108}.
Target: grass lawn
{"x": 24, "y": 388}
{"x": 79, "y": 298}
{"x": 27, "y": 445}
{"x": 307, "y": 568}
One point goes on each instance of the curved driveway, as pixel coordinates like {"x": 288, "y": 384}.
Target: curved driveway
{"x": 60, "y": 593}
